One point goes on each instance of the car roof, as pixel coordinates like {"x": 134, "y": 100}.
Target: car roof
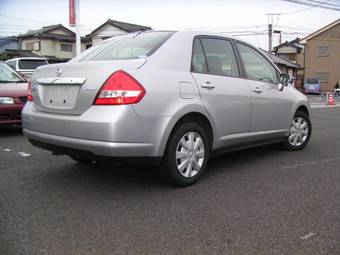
{"x": 204, "y": 32}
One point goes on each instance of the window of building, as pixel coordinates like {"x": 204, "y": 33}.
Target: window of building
{"x": 292, "y": 57}
{"x": 35, "y": 46}
{"x": 66, "y": 47}
{"x": 323, "y": 51}
{"x": 323, "y": 76}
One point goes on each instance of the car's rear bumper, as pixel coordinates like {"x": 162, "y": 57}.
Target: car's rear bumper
{"x": 100, "y": 131}
{"x": 96, "y": 148}
{"x": 10, "y": 114}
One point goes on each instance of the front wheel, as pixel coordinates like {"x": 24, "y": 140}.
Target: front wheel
{"x": 186, "y": 155}
{"x": 299, "y": 133}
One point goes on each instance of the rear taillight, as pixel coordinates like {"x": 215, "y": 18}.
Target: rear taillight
{"x": 120, "y": 88}
{"x": 29, "y": 96}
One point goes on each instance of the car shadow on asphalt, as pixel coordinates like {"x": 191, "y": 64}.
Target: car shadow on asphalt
{"x": 145, "y": 178}
{"x": 8, "y": 131}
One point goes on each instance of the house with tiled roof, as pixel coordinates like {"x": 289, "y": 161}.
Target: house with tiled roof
{"x": 57, "y": 43}
{"x": 10, "y": 42}
{"x": 289, "y": 50}
{"x": 112, "y": 28}
{"x": 293, "y": 51}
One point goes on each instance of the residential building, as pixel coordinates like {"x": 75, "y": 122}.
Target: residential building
{"x": 13, "y": 53}
{"x": 57, "y": 43}
{"x": 322, "y": 55}
{"x": 10, "y": 43}
{"x": 283, "y": 64}
{"x": 112, "y": 28}
{"x": 293, "y": 51}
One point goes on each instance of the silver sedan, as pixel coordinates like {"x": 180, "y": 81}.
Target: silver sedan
{"x": 172, "y": 98}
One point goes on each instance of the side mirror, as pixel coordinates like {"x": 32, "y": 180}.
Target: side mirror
{"x": 284, "y": 80}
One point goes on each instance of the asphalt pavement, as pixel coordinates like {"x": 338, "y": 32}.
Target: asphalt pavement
{"x": 259, "y": 201}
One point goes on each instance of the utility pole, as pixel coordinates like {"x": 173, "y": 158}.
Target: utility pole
{"x": 74, "y": 21}
{"x": 78, "y": 43}
{"x": 270, "y": 37}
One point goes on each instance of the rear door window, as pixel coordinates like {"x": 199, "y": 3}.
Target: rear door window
{"x": 220, "y": 57}
{"x": 198, "y": 63}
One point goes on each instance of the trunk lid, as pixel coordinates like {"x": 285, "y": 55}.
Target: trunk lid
{"x": 71, "y": 88}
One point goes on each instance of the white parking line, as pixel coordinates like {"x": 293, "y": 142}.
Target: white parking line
{"x": 23, "y": 154}
{"x": 309, "y": 235}
{"x": 316, "y": 106}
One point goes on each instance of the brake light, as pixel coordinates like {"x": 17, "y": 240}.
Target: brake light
{"x": 120, "y": 88}
{"x": 29, "y": 96}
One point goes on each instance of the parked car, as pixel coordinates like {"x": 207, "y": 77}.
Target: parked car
{"x": 174, "y": 97}
{"x": 26, "y": 66}
{"x": 13, "y": 95}
{"x": 312, "y": 86}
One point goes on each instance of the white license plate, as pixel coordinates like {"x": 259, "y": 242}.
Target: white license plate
{"x": 60, "y": 96}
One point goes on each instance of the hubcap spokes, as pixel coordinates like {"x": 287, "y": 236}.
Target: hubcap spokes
{"x": 298, "y": 131}
{"x": 190, "y": 154}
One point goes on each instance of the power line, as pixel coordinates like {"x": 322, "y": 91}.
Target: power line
{"x": 28, "y": 20}
{"x": 323, "y": 5}
{"x": 297, "y": 11}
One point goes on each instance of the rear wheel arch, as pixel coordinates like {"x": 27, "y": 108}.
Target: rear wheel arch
{"x": 196, "y": 117}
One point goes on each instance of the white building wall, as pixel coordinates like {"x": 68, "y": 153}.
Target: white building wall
{"x": 49, "y": 47}
{"x": 107, "y": 31}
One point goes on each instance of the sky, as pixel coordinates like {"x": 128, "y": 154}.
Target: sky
{"x": 241, "y": 18}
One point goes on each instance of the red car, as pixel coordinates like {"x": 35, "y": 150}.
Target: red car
{"x": 13, "y": 95}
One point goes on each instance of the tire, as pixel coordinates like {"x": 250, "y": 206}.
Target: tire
{"x": 183, "y": 164}
{"x": 82, "y": 161}
{"x": 300, "y": 132}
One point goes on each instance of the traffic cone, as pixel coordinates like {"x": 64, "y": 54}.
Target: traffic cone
{"x": 331, "y": 100}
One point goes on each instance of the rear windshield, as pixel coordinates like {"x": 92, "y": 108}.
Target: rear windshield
{"x": 129, "y": 47}
{"x": 31, "y": 63}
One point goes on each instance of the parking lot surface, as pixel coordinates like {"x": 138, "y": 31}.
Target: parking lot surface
{"x": 259, "y": 201}
{"x": 320, "y": 101}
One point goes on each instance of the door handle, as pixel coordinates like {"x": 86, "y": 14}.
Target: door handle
{"x": 207, "y": 85}
{"x": 257, "y": 90}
